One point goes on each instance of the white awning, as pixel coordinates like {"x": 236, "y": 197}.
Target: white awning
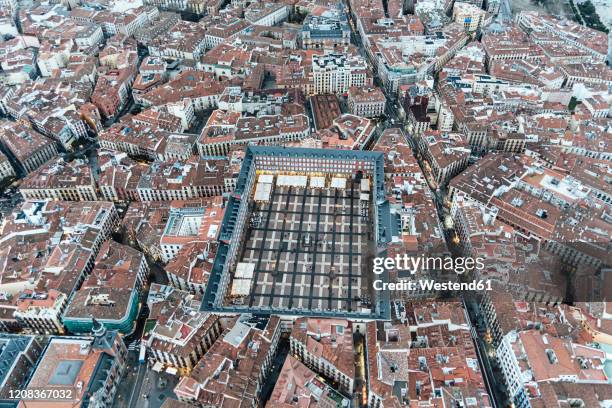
{"x": 317, "y": 182}
{"x": 291, "y": 181}
{"x": 263, "y": 191}
{"x": 241, "y": 287}
{"x": 338, "y": 182}
{"x": 244, "y": 270}
{"x": 365, "y": 184}
{"x": 265, "y": 178}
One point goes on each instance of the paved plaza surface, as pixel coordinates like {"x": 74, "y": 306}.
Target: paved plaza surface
{"x": 308, "y": 247}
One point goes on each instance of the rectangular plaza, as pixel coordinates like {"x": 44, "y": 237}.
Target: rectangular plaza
{"x": 299, "y": 234}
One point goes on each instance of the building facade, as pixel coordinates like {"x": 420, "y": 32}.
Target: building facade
{"x": 368, "y": 102}
{"x": 336, "y": 73}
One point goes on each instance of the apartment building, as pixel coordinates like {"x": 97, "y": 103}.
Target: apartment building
{"x": 58, "y": 180}
{"x": 21, "y": 353}
{"x": 91, "y": 368}
{"x": 471, "y": 17}
{"x": 112, "y": 90}
{"x": 326, "y": 347}
{"x": 182, "y": 334}
{"x": 336, "y": 73}
{"x": 266, "y": 14}
{"x": 327, "y": 29}
{"x": 227, "y": 129}
{"x": 6, "y": 170}
{"x": 366, "y": 101}
{"x": 237, "y": 364}
{"x": 185, "y": 180}
{"x": 188, "y": 222}
{"x": 110, "y": 294}
{"x": 446, "y": 153}
{"x": 185, "y": 40}
{"x": 26, "y": 148}
{"x": 190, "y": 268}
{"x": 41, "y": 311}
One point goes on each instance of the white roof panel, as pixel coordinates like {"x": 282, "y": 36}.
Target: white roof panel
{"x": 338, "y": 182}
{"x": 291, "y": 181}
{"x": 365, "y": 184}
{"x": 212, "y": 231}
{"x": 317, "y": 182}
{"x": 263, "y": 191}
{"x": 245, "y": 270}
{"x": 241, "y": 287}
{"x": 265, "y": 178}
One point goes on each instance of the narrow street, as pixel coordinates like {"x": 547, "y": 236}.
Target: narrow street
{"x": 361, "y": 371}
{"x": 279, "y": 359}
{"x": 486, "y": 355}
{"x": 154, "y": 389}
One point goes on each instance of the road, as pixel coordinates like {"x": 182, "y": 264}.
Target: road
{"x": 141, "y": 380}
{"x": 277, "y": 364}
{"x": 392, "y": 109}
{"x": 394, "y": 118}
{"x": 142, "y": 370}
{"x": 126, "y": 390}
{"x": 153, "y": 390}
{"x": 493, "y": 380}
{"x": 361, "y": 371}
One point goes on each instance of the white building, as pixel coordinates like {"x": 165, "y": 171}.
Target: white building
{"x": 471, "y": 17}
{"x": 58, "y": 180}
{"x": 446, "y": 118}
{"x": 41, "y": 312}
{"x": 183, "y": 110}
{"x": 8, "y": 27}
{"x": 48, "y": 62}
{"x": 90, "y": 37}
{"x": 597, "y": 106}
{"x": 9, "y": 4}
{"x": 269, "y": 14}
{"x": 336, "y": 73}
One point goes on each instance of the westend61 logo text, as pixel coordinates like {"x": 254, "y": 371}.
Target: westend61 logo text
{"x": 414, "y": 264}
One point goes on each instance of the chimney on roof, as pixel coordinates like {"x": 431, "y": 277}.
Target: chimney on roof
{"x": 85, "y": 347}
